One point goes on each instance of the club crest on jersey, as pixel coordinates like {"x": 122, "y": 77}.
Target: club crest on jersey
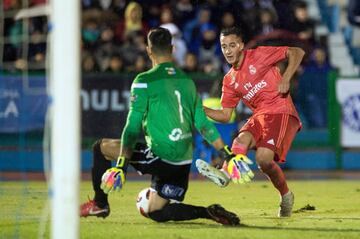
{"x": 133, "y": 98}
{"x": 170, "y": 70}
{"x": 252, "y": 70}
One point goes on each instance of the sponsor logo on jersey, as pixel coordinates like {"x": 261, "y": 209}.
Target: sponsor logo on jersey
{"x": 172, "y": 191}
{"x": 251, "y": 93}
{"x": 252, "y": 70}
{"x": 177, "y": 134}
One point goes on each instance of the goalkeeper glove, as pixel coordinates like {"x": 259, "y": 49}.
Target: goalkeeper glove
{"x": 237, "y": 166}
{"x": 114, "y": 178}
{"x": 226, "y": 154}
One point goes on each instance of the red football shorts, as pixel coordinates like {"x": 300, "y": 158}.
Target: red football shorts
{"x": 273, "y": 131}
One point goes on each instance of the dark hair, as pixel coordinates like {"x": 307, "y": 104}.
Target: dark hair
{"x": 160, "y": 39}
{"x": 232, "y": 30}
{"x": 300, "y": 5}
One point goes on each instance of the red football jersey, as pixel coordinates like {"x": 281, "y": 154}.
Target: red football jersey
{"x": 256, "y": 83}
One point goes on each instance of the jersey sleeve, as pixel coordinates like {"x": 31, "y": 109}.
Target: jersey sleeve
{"x": 203, "y": 125}
{"x": 138, "y": 107}
{"x": 270, "y": 55}
{"x": 229, "y": 98}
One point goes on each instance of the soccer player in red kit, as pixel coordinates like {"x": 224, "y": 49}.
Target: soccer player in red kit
{"x": 256, "y": 80}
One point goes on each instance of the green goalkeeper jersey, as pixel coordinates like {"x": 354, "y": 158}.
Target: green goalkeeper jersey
{"x": 165, "y": 104}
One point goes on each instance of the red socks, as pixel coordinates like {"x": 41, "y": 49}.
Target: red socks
{"x": 276, "y": 176}
{"x": 272, "y": 170}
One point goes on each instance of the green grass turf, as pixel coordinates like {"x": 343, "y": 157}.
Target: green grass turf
{"x": 337, "y": 213}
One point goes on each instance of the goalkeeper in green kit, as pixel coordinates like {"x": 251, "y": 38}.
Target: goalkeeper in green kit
{"x": 165, "y": 106}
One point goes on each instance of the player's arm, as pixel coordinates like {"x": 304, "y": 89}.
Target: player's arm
{"x": 138, "y": 108}
{"x": 130, "y": 133}
{"x": 294, "y": 56}
{"x": 206, "y": 128}
{"x": 114, "y": 178}
{"x": 235, "y": 166}
{"x": 222, "y": 116}
{"x": 203, "y": 125}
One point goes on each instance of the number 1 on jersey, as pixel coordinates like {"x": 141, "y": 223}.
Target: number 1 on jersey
{"x": 178, "y": 95}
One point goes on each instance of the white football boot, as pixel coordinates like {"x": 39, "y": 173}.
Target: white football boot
{"x": 217, "y": 176}
{"x": 286, "y": 205}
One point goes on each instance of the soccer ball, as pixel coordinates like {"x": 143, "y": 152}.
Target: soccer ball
{"x": 142, "y": 201}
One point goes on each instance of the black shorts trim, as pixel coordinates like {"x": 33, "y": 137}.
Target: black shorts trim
{"x": 170, "y": 181}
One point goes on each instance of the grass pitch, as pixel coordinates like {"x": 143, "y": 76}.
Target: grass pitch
{"x": 23, "y": 212}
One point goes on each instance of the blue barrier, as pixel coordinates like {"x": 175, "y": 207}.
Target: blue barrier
{"x": 25, "y": 161}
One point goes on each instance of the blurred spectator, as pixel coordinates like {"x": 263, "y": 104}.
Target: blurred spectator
{"x": 118, "y": 7}
{"x": 267, "y": 21}
{"x": 179, "y": 45}
{"x": 37, "y": 47}
{"x": 209, "y": 50}
{"x": 105, "y": 4}
{"x": 132, "y": 22}
{"x": 37, "y": 2}
{"x": 88, "y": 62}
{"x": 90, "y": 34}
{"x": 191, "y": 64}
{"x": 250, "y": 16}
{"x": 133, "y": 47}
{"x": 107, "y": 48}
{"x": 116, "y": 64}
{"x": 88, "y": 4}
{"x": 282, "y": 9}
{"x": 313, "y": 87}
{"x": 354, "y": 12}
{"x": 11, "y": 5}
{"x": 166, "y": 16}
{"x": 227, "y": 20}
{"x": 13, "y": 50}
{"x": 301, "y": 23}
{"x": 183, "y": 11}
{"x": 153, "y": 12}
{"x": 192, "y": 34}
{"x": 140, "y": 65}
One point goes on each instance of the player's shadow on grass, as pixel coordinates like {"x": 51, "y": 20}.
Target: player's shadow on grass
{"x": 298, "y": 228}
{"x": 202, "y": 225}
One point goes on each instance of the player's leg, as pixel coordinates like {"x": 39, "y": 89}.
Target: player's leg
{"x": 170, "y": 183}
{"x": 278, "y": 133}
{"x": 161, "y": 210}
{"x": 264, "y": 159}
{"x": 243, "y": 142}
{"x": 266, "y": 163}
{"x": 104, "y": 150}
